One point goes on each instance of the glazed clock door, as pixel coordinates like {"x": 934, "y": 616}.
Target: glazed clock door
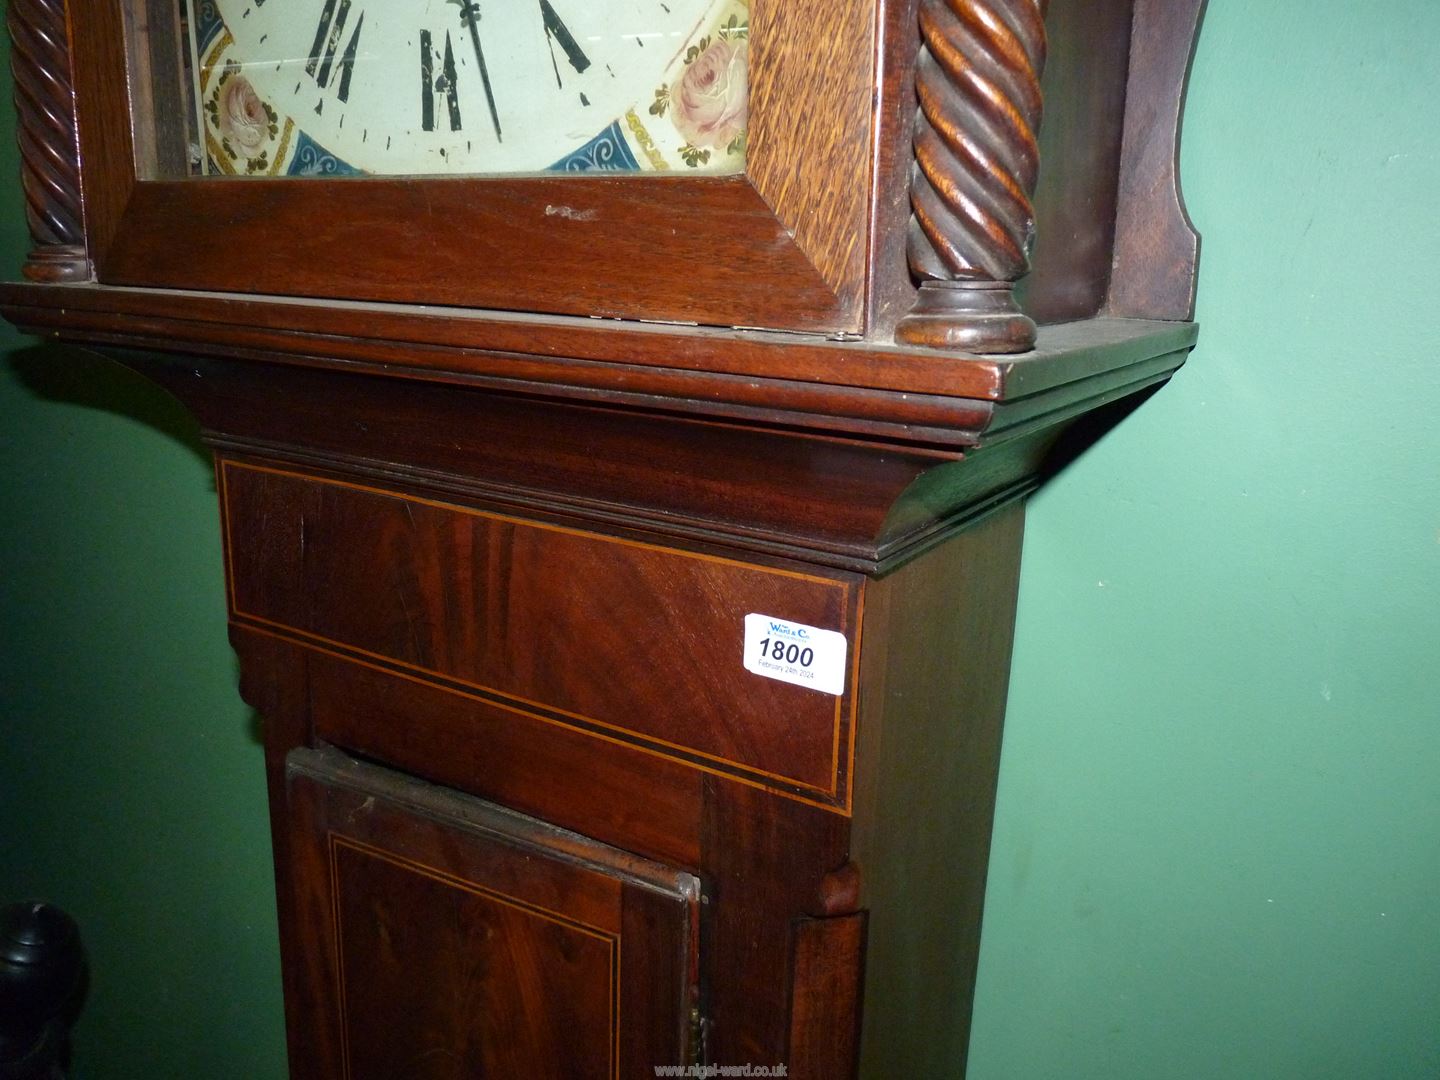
{"x": 444, "y": 937}
{"x": 692, "y": 161}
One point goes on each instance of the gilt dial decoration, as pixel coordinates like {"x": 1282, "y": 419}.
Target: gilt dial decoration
{"x": 464, "y": 87}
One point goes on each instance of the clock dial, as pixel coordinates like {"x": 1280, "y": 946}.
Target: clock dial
{"x": 436, "y": 87}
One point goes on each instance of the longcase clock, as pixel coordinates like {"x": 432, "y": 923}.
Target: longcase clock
{"x": 622, "y": 414}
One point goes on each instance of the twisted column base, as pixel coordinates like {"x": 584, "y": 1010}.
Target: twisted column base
{"x": 973, "y": 316}
{"x": 53, "y": 264}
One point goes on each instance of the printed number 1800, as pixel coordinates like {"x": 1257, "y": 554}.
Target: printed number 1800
{"x": 787, "y": 652}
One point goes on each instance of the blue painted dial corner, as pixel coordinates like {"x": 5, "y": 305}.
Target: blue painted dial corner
{"x": 208, "y": 24}
{"x": 312, "y": 159}
{"x": 606, "y": 152}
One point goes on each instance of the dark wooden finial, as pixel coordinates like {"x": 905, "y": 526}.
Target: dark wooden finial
{"x": 49, "y": 153}
{"x": 977, "y": 157}
{"x": 43, "y": 978}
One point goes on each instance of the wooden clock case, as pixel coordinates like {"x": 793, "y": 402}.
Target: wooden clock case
{"x": 495, "y": 508}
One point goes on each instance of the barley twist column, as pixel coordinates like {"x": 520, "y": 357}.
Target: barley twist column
{"x": 49, "y": 153}
{"x": 977, "y": 157}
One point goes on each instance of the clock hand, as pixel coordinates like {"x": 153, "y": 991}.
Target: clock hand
{"x": 557, "y": 31}
{"x": 470, "y": 16}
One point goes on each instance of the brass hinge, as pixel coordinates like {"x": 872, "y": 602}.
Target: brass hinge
{"x": 699, "y": 1038}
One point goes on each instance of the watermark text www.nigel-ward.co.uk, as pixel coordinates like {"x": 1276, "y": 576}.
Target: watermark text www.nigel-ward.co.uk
{"x": 721, "y": 1070}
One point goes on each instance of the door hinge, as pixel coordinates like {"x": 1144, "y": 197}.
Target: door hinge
{"x": 699, "y": 1039}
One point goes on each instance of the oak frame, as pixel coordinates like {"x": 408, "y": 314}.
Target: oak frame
{"x": 786, "y": 245}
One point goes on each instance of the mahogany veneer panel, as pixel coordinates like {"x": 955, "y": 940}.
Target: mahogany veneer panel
{"x": 1084, "y": 86}
{"x": 516, "y": 970}
{"x": 561, "y": 996}
{"x": 509, "y": 755}
{"x": 936, "y": 674}
{"x": 594, "y": 632}
{"x": 738, "y": 264}
{"x": 825, "y": 1011}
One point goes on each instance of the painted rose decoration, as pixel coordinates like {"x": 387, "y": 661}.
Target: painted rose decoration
{"x": 242, "y": 115}
{"x": 244, "y": 122}
{"x": 710, "y": 99}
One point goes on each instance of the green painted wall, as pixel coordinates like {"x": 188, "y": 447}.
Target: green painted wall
{"x": 1218, "y": 844}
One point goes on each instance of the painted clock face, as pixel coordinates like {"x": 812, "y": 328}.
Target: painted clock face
{"x": 450, "y": 87}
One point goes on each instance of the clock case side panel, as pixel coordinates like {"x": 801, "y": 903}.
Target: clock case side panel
{"x": 934, "y": 676}
{"x": 785, "y": 246}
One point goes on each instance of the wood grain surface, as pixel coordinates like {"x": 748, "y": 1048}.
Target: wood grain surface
{"x": 927, "y": 767}
{"x": 1086, "y": 71}
{"x": 860, "y": 389}
{"x": 828, "y": 973}
{"x": 705, "y": 250}
{"x": 589, "y": 632}
{"x": 1157, "y": 249}
{"x": 517, "y": 970}
{"x": 812, "y": 79}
